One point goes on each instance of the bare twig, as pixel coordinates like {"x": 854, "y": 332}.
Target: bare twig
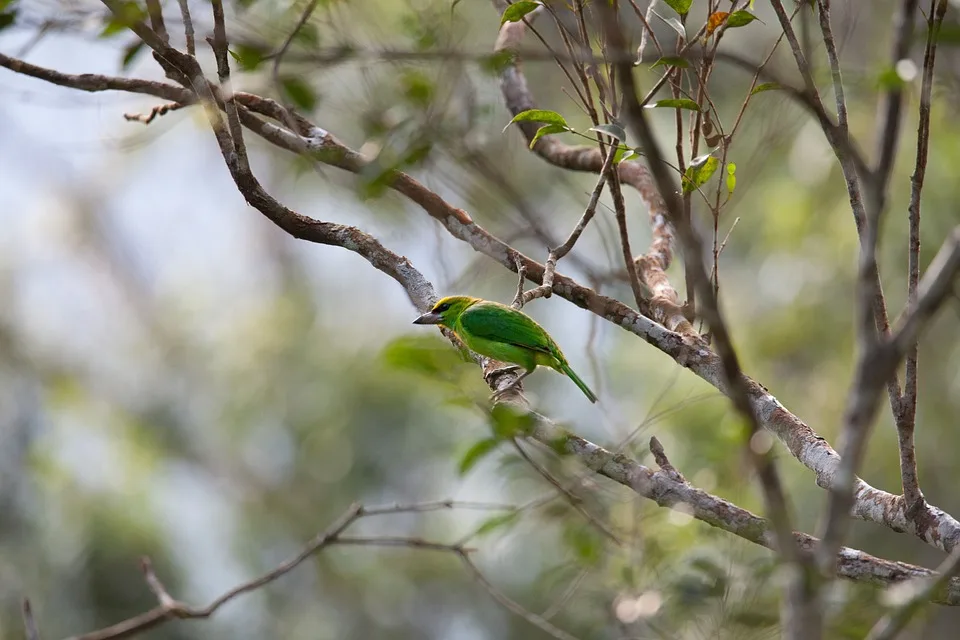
{"x": 159, "y": 110}
{"x": 620, "y": 210}
{"x": 572, "y": 499}
{"x": 223, "y": 71}
{"x": 647, "y": 30}
{"x": 888, "y": 117}
{"x": 188, "y": 27}
{"x": 906, "y": 414}
{"x": 95, "y": 82}
{"x": 565, "y": 597}
{"x": 512, "y": 605}
{"x": 660, "y": 456}
{"x": 723, "y": 245}
{"x": 890, "y": 625}
{"x": 29, "y": 621}
{"x": 518, "y": 300}
{"x": 156, "y": 19}
{"x": 938, "y": 283}
{"x": 545, "y": 290}
{"x": 282, "y": 51}
{"x": 868, "y": 208}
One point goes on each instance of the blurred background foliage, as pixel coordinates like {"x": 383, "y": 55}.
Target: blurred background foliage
{"x": 181, "y": 380}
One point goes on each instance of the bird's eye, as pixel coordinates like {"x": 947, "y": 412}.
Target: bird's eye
{"x": 441, "y": 308}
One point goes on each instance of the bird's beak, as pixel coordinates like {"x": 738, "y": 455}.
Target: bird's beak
{"x": 429, "y": 318}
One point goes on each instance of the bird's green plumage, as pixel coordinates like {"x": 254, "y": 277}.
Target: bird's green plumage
{"x": 503, "y": 333}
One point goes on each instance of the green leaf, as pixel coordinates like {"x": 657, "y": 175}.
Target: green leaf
{"x": 423, "y": 354}
{"x": 497, "y": 522}
{"x": 130, "y": 53}
{"x": 585, "y": 543}
{"x": 7, "y": 18}
{"x": 420, "y": 28}
{"x": 680, "y": 6}
{"x": 418, "y": 88}
{"x": 299, "y": 92}
{"x": 248, "y": 57}
{"x": 889, "y": 79}
{"x": 740, "y": 19}
{"x": 475, "y": 453}
{"x": 612, "y": 130}
{"x": 308, "y": 34}
{"x": 754, "y": 618}
{"x": 497, "y": 62}
{"x": 547, "y": 130}
{"x": 766, "y": 86}
{"x": 416, "y": 153}
{"x": 516, "y": 11}
{"x": 127, "y": 14}
{"x": 538, "y": 115}
{"x": 623, "y": 154}
{"x": 508, "y": 421}
{"x": 674, "y": 103}
{"x": 674, "y": 24}
{"x": 699, "y": 171}
{"x": 731, "y": 177}
{"x": 673, "y": 61}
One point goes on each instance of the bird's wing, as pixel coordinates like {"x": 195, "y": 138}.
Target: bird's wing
{"x": 505, "y": 324}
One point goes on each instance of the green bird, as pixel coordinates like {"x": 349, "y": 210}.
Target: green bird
{"x": 502, "y": 333}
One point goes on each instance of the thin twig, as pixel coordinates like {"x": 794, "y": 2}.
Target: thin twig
{"x": 565, "y": 597}
{"x": 156, "y": 19}
{"x": 545, "y": 290}
{"x": 647, "y": 30}
{"x": 29, "y": 621}
{"x": 188, "y": 27}
{"x": 723, "y": 245}
{"x": 512, "y": 605}
{"x": 572, "y": 499}
{"x": 867, "y": 206}
{"x": 223, "y": 71}
{"x": 906, "y": 416}
{"x": 937, "y": 285}
{"x": 159, "y": 110}
{"x": 660, "y": 457}
{"x": 620, "y": 210}
{"x": 888, "y": 117}
{"x": 890, "y": 625}
{"x": 518, "y": 300}
{"x": 282, "y": 51}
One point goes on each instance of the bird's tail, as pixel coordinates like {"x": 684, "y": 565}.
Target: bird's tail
{"x": 580, "y": 383}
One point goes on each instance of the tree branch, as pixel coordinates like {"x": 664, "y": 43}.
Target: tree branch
{"x": 888, "y": 627}
{"x": 906, "y": 414}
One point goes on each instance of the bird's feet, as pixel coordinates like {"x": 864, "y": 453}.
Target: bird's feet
{"x": 499, "y": 393}
{"x": 495, "y": 373}
{"x": 506, "y": 369}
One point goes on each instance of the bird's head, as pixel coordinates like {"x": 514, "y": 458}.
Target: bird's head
{"x": 447, "y": 310}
